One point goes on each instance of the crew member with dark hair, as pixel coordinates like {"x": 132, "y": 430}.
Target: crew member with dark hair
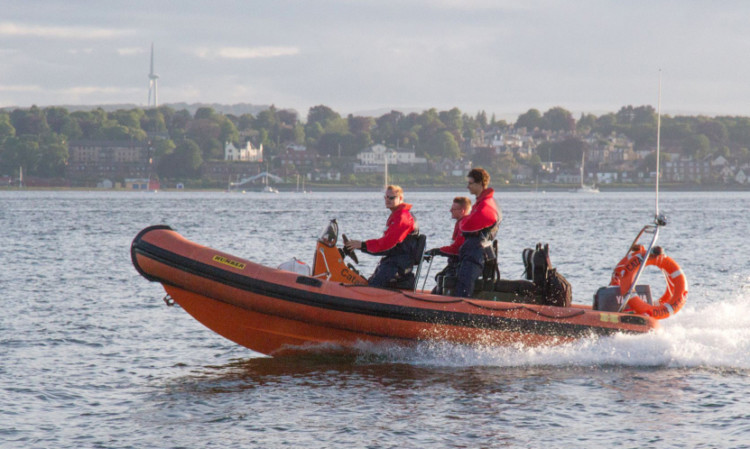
{"x": 459, "y": 210}
{"x": 479, "y": 229}
{"x": 396, "y": 244}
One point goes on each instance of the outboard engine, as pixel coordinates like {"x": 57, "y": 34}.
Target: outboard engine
{"x": 609, "y": 299}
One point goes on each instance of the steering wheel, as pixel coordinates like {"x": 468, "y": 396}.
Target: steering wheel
{"x": 347, "y": 251}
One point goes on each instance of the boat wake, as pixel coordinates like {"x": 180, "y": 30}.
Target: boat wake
{"x": 710, "y": 336}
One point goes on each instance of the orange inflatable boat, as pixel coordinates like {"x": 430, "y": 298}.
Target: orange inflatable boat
{"x": 275, "y": 311}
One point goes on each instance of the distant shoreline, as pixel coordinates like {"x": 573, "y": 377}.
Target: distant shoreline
{"x": 441, "y": 188}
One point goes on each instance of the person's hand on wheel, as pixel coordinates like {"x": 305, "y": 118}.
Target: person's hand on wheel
{"x": 350, "y": 246}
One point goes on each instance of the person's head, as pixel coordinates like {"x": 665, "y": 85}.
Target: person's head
{"x": 477, "y": 180}
{"x": 460, "y": 207}
{"x": 394, "y": 196}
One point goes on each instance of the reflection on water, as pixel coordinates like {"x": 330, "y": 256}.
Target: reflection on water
{"x": 362, "y": 398}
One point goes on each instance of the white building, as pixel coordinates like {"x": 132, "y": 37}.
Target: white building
{"x": 720, "y": 161}
{"x": 612, "y": 149}
{"x": 450, "y": 167}
{"x": 568, "y": 178}
{"x": 518, "y": 142}
{"x": 741, "y": 177}
{"x": 607, "y": 177}
{"x": 375, "y": 155}
{"x": 247, "y": 154}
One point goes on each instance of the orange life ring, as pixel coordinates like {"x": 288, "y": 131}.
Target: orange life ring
{"x": 635, "y": 256}
{"x": 677, "y": 288}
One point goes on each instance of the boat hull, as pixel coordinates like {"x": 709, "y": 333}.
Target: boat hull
{"x": 272, "y": 311}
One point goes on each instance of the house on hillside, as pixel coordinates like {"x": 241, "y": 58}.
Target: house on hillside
{"x": 516, "y": 141}
{"x": 741, "y": 177}
{"x": 726, "y": 173}
{"x": 243, "y": 154}
{"x": 686, "y": 169}
{"x": 720, "y": 161}
{"x": 375, "y": 155}
{"x": 91, "y": 161}
{"x": 611, "y": 149}
{"x": 606, "y": 177}
{"x": 325, "y": 175}
{"x": 568, "y": 178}
{"x": 452, "y": 167}
{"x": 297, "y": 159}
{"x": 372, "y": 159}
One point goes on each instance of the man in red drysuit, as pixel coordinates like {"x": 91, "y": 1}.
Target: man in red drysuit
{"x": 397, "y": 243}
{"x": 479, "y": 229}
{"x": 459, "y": 211}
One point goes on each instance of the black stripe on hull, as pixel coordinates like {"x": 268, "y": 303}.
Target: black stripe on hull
{"x": 349, "y": 305}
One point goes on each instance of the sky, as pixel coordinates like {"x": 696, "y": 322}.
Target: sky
{"x": 369, "y": 57}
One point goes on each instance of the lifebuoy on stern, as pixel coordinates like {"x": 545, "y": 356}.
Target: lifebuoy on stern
{"x": 635, "y": 256}
{"x": 677, "y": 287}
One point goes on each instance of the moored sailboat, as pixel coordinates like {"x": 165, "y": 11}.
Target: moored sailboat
{"x": 583, "y": 188}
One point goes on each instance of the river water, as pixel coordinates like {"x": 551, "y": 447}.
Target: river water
{"x": 90, "y": 356}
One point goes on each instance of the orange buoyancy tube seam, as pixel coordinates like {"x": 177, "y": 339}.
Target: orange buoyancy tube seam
{"x": 677, "y": 287}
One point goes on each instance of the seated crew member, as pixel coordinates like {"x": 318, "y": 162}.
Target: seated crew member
{"x": 479, "y": 229}
{"x": 459, "y": 210}
{"x": 395, "y": 245}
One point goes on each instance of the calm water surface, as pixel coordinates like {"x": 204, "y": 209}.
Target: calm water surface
{"x": 91, "y": 357}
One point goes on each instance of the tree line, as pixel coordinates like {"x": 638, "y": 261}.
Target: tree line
{"x": 37, "y": 138}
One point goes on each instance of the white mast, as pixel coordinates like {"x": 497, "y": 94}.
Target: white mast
{"x": 385, "y": 170}
{"x": 658, "y": 142}
{"x": 583, "y": 154}
{"x": 152, "y": 82}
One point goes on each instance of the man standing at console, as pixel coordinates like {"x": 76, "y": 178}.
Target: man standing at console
{"x": 395, "y": 245}
{"x": 479, "y": 229}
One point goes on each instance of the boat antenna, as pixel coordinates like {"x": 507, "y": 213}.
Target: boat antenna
{"x": 659, "y": 219}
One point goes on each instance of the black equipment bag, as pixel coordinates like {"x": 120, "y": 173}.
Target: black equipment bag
{"x": 556, "y": 290}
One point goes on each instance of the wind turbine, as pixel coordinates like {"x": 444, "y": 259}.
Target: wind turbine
{"x": 152, "y": 85}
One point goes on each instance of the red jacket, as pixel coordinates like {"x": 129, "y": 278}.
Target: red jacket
{"x": 484, "y": 213}
{"x": 457, "y": 239}
{"x": 399, "y": 225}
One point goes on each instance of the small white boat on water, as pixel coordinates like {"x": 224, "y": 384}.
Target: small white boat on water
{"x": 587, "y": 189}
{"x": 267, "y": 188}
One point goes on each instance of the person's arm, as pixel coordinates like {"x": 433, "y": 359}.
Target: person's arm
{"x": 395, "y": 234}
{"x": 481, "y": 217}
{"x": 452, "y": 249}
